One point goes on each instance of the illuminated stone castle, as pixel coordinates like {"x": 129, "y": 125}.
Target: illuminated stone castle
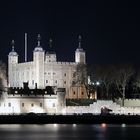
{"x": 28, "y": 82}
{"x": 45, "y": 70}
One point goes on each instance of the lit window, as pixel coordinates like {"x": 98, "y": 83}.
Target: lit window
{"x": 16, "y": 91}
{"x": 9, "y": 104}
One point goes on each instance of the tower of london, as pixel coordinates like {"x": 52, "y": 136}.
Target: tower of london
{"x": 45, "y": 70}
{"x": 43, "y": 84}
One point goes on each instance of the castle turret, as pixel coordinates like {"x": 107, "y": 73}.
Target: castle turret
{"x": 38, "y": 59}
{"x": 80, "y": 53}
{"x": 50, "y": 54}
{"x": 12, "y": 59}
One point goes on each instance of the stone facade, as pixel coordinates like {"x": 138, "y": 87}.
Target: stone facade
{"x": 18, "y": 103}
{"x": 45, "y": 70}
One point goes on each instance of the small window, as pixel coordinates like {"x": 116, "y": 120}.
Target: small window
{"x": 32, "y": 82}
{"x": 53, "y": 104}
{"x": 65, "y": 74}
{"x": 53, "y": 73}
{"x": 9, "y": 104}
{"x": 64, "y": 82}
{"x": 22, "y": 104}
{"x": 82, "y": 93}
{"x": 40, "y": 104}
{"x": 32, "y": 105}
{"x": 73, "y": 75}
{"x": 46, "y": 81}
{"x": 74, "y": 93}
{"x": 56, "y": 81}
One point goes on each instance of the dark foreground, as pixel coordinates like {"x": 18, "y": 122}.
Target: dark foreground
{"x": 70, "y": 132}
{"x": 68, "y": 119}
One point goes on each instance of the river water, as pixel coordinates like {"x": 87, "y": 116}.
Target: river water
{"x": 70, "y": 132}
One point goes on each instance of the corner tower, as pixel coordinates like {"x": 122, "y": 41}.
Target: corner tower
{"x": 80, "y": 53}
{"x": 12, "y": 60}
{"x": 38, "y": 58}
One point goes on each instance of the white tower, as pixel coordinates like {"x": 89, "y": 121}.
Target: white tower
{"x": 12, "y": 60}
{"x": 80, "y": 53}
{"x": 50, "y": 54}
{"x": 38, "y": 59}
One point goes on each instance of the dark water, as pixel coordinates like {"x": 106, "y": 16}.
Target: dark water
{"x": 70, "y": 132}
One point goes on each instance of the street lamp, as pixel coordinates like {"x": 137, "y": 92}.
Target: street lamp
{"x": 96, "y": 85}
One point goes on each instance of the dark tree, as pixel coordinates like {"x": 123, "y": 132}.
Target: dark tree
{"x": 122, "y": 75}
{"x": 3, "y": 78}
{"x": 80, "y": 77}
{"x": 103, "y": 74}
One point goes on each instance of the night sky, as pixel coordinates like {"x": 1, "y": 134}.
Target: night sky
{"x": 110, "y": 30}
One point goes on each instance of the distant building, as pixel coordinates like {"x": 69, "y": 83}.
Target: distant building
{"x": 45, "y": 70}
{"x": 42, "y": 85}
{"x": 36, "y": 101}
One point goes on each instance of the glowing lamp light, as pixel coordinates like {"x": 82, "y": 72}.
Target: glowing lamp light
{"x": 55, "y": 125}
{"x": 103, "y": 125}
{"x": 97, "y": 83}
{"x": 123, "y": 125}
{"x": 74, "y": 125}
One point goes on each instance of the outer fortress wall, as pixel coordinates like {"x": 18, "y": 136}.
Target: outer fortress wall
{"x": 129, "y": 102}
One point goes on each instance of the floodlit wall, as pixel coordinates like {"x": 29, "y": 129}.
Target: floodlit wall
{"x": 37, "y": 104}
{"x": 95, "y": 108}
{"x": 129, "y": 102}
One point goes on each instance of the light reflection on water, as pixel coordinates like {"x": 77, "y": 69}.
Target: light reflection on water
{"x": 70, "y": 132}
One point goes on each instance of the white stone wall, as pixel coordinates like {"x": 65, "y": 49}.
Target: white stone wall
{"x": 95, "y": 108}
{"x": 58, "y": 74}
{"x": 43, "y": 71}
{"x": 50, "y": 57}
{"x": 80, "y": 57}
{"x": 23, "y": 72}
{"x": 39, "y": 68}
{"x": 36, "y": 104}
{"x": 129, "y": 102}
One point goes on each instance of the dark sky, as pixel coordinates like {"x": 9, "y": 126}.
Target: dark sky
{"x": 110, "y": 29}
